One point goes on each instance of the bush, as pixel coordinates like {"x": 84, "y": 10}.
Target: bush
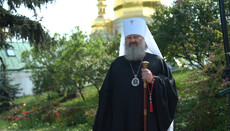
{"x": 200, "y": 107}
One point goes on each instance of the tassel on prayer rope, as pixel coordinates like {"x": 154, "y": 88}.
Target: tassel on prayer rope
{"x": 151, "y": 107}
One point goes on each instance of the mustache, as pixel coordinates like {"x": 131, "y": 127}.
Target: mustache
{"x": 133, "y": 43}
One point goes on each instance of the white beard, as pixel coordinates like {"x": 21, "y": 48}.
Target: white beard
{"x": 135, "y": 53}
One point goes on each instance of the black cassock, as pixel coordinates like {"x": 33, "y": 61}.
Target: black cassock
{"x": 121, "y": 104}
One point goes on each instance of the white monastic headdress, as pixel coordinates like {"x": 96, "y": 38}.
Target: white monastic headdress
{"x": 138, "y": 26}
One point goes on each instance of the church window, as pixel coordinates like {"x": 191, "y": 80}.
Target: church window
{"x": 10, "y": 52}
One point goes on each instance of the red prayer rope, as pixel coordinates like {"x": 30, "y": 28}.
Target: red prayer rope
{"x": 150, "y": 94}
{"x": 152, "y": 83}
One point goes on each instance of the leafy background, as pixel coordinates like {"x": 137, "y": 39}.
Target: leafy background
{"x": 68, "y": 71}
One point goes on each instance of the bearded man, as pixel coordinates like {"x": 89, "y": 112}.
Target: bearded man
{"x": 121, "y": 95}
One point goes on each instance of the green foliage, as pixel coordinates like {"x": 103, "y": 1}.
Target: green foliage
{"x": 8, "y": 91}
{"x": 75, "y": 115}
{"x": 32, "y": 4}
{"x": 189, "y": 28}
{"x": 200, "y": 107}
{"x": 42, "y": 65}
{"x": 101, "y": 52}
{"x": 13, "y": 25}
{"x": 71, "y": 64}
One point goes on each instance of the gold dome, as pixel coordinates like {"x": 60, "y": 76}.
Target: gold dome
{"x": 120, "y": 2}
{"x": 134, "y": 8}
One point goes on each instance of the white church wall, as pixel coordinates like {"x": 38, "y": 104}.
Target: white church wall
{"x": 22, "y": 78}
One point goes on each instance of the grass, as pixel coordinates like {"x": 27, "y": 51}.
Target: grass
{"x": 3, "y": 124}
{"x": 181, "y": 75}
{"x": 90, "y": 95}
{"x": 180, "y": 78}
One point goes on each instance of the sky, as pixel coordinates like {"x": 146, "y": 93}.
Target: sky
{"x": 64, "y": 15}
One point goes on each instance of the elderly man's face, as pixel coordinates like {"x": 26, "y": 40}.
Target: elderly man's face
{"x": 133, "y": 40}
{"x": 135, "y": 47}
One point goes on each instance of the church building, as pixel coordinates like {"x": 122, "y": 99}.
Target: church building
{"x": 123, "y": 9}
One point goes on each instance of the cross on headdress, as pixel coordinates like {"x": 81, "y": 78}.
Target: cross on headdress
{"x": 131, "y": 21}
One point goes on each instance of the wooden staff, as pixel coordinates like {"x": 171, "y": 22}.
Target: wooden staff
{"x": 145, "y": 65}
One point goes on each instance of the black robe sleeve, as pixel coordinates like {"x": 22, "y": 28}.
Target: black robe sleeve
{"x": 103, "y": 117}
{"x": 166, "y": 97}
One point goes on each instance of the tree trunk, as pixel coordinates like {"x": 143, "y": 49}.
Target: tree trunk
{"x": 82, "y": 96}
{"x": 3, "y": 65}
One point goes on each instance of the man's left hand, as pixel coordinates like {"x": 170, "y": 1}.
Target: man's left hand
{"x": 147, "y": 75}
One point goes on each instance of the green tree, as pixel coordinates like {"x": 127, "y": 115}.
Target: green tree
{"x": 7, "y": 91}
{"x": 47, "y": 69}
{"x": 101, "y": 52}
{"x": 74, "y": 53}
{"x": 14, "y": 25}
{"x": 70, "y": 65}
{"x": 187, "y": 30}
